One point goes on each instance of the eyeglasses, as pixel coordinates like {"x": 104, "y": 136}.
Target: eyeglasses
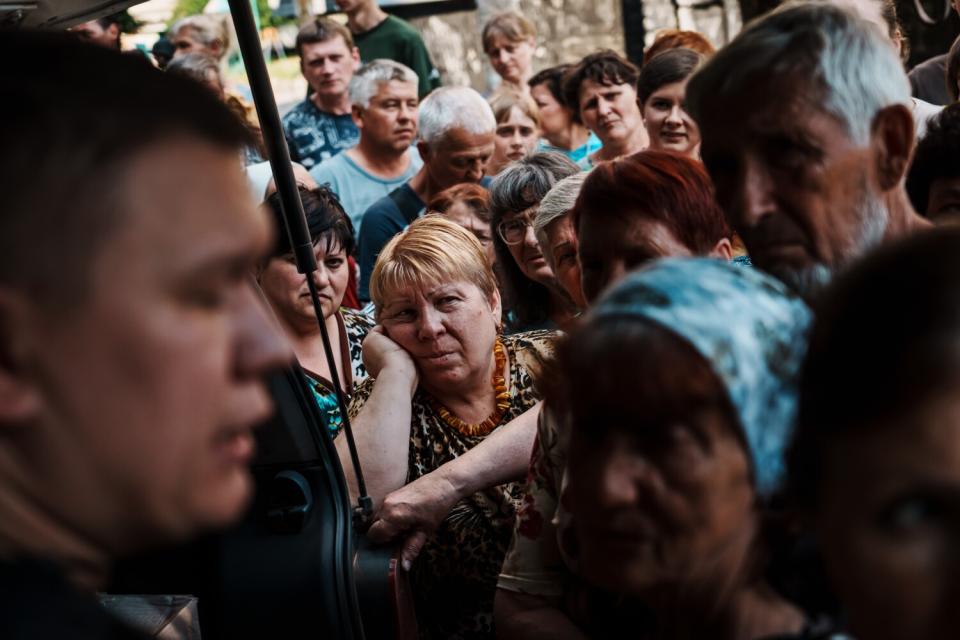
{"x": 514, "y": 231}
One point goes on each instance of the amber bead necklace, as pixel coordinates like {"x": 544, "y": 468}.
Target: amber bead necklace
{"x": 502, "y": 399}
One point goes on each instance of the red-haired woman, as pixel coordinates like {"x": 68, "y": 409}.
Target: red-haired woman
{"x": 650, "y": 205}
{"x": 468, "y": 205}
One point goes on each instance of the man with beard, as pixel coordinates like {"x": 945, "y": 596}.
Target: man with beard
{"x": 807, "y": 134}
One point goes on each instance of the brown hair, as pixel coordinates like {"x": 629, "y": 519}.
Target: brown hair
{"x": 503, "y": 103}
{"x": 605, "y": 67}
{"x": 509, "y": 24}
{"x": 322, "y": 30}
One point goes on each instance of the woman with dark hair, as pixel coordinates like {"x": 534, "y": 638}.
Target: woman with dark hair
{"x": 875, "y": 464}
{"x": 534, "y": 299}
{"x": 677, "y": 449}
{"x": 286, "y": 290}
{"x": 662, "y": 90}
{"x": 602, "y": 92}
{"x": 562, "y": 132}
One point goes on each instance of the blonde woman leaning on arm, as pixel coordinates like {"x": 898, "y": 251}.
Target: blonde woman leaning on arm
{"x": 445, "y": 380}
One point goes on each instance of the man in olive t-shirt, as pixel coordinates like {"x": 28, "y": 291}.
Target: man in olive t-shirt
{"x": 378, "y": 35}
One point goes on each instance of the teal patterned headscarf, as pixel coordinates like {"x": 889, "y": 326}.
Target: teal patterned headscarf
{"x": 750, "y": 329}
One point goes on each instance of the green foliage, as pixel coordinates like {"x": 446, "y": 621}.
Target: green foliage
{"x": 193, "y": 7}
{"x": 126, "y": 22}
{"x": 186, "y": 8}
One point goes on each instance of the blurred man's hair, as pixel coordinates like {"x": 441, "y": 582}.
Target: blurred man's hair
{"x": 834, "y": 53}
{"x": 63, "y": 162}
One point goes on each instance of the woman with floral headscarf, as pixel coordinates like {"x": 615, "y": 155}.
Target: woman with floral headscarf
{"x": 677, "y": 446}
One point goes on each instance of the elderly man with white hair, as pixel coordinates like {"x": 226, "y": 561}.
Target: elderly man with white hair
{"x": 457, "y": 128}
{"x": 383, "y": 95}
{"x": 807, "y": 134}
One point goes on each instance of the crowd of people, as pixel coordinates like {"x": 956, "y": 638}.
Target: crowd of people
{"x": 659, "y": 349}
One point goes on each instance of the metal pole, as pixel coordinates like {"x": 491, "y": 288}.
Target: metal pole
{"x": 293, "y": 216}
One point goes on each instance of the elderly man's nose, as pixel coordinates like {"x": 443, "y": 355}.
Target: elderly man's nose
{"x": 754, "y": 194}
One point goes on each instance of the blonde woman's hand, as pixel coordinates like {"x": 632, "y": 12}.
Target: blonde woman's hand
{"x": 380, "y": 354}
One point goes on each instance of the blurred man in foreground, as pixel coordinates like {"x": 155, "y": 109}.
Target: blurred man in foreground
{"x": 132, "y": 345}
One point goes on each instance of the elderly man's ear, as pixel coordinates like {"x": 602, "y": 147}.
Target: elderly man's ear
{"x": 20, "y": 399}
{"x": 892, "y": 138}
{"x": 424, "y": 149}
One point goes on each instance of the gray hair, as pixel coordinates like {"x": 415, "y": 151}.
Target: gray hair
{"x": 208, "y": 29}
{"x": 524, "y": 183}
{"x": 194, "y": 65}
{"x": 452, "y": 108}
{"x": 366, "y": 82}
{"x": 838, "y": 49}
{"x": 556, "y": 205}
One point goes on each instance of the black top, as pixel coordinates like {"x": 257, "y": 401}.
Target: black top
{"x": 385, "y": 218}
{"x": 37, "y": 603}
{"x": 928, "y": 80}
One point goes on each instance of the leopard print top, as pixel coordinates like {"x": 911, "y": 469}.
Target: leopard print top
{"x": 455, "y": 576}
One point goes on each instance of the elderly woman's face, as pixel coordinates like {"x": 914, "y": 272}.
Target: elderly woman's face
{"x": 889, "y": 524}
{"x": 658, "y": 502}
{"x": 516, "y": 231}
{"x": 449, "y": 330}
{"x": 561, "y": 246}
{"x": 287, "y": 290}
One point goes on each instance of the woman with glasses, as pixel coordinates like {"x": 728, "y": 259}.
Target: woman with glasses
{"x": 534, "y": 300}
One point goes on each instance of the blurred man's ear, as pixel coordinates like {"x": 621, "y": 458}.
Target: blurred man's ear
{"x": 723, "y": 250}
{"x": 19, "y": 397}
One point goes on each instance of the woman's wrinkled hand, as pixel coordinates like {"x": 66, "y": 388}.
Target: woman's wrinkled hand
{"x": 381, "y": 353}
{"x": 414, "y": 511}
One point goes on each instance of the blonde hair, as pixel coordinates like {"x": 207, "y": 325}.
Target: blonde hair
{"x": 503, "y": 103}
{"x": 432, "y": 250}
{"x": 509, "y": 24}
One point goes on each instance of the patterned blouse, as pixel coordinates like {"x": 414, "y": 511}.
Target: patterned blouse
{"x": 455, "y": 576}
{"x": 354, "y": 327}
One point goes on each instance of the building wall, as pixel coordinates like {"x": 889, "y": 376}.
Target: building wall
{"x": 567, "y": 29}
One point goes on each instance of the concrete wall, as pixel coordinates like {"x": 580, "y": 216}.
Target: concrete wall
{"x": 568, "y": 30}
